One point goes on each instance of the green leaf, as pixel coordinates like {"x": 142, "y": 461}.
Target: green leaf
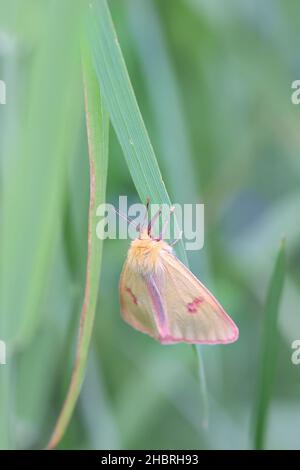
{"x": 129, "y": 126}
{"x": 97, "y": 130}
{"x": 123, "y": 109}
{"x": 176, "y": 154}
{"x": 269, "y": 349}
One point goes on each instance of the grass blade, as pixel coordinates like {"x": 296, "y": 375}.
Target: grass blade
{"x": 269, "y": 349}
{"x": 165, "y": 100}
{"x": 123, "y": 109}
{"x": 169, "y": 116}
{"x": 129, "y": 126}
{"x": 97, "y": 130}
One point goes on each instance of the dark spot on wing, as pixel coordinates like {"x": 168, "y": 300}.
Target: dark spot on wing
{"x": 133, "y": 297}
{"x": 192, "y": 307}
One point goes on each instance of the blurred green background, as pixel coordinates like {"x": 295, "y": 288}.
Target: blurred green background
{"x": 213, "y": 82}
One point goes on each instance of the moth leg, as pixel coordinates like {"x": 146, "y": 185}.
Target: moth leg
{"x": 153, "y": 220}
{"x": 139, "y": 227}
{"x": 166, "y": 224}
{"x": 177, "y": 239}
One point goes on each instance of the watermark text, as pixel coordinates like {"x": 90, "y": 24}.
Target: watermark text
{"x": 295, "y": 357}
{"x": 2, "y": 92}
{"x": 295, "y": 96}
{"x": 124, "y": 222}
{"x": 2, "y": 352}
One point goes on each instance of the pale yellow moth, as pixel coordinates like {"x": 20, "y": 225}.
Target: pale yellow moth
{"x": 161, "y": 297}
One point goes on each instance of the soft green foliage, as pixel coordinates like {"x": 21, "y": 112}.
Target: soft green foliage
{"x": 124, "y": 113}
{"x": 97, "y": 124}
{"x": 213, "y": 82}
{"x": 268, "y": 359}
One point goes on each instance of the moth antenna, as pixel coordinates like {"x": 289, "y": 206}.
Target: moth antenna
{"x": 166, "y": 224}
{"x": 139, "y": 227}
{"x": 177, "y": 239}
{"x": 153, "y": 220}
{"x": 123, "y": 216}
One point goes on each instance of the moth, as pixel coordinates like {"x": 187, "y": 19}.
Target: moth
{"x": 161, "y": 297}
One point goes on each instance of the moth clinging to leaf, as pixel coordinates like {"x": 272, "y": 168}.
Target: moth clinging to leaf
{"x": 161, "y": 297}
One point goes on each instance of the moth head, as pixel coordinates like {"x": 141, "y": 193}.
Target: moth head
{"x": 144, "y": 254}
